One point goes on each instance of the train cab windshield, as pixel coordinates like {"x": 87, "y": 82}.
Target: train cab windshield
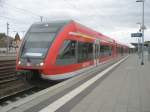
{"x": 37, "y": 44}
{"x": 39, "y": 39}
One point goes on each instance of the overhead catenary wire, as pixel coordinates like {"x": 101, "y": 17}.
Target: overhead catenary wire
{"x": 90, "y": 12}
{"x": 15, "y": 25}
{"x": 20, "y": 10}
{"x": 13, "y": 19}
{"x": 70, "y": 4}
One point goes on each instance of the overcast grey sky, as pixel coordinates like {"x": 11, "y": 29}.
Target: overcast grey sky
{"x": 115, "y": 18}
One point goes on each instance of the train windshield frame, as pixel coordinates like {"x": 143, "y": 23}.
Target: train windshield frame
{"x": 39, "y": 39}
{"x": 37, "y": 44}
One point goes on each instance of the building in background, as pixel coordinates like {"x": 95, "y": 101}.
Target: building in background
{"x": 14, "y": 43}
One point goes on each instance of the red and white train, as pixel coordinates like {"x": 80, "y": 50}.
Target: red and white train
{"x": 62, "y": 49}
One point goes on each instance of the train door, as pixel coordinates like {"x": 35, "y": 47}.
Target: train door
{"x": 96, "y": 52}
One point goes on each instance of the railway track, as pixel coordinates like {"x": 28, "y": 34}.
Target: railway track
{"x": 18, "y": 95}
{"x": 12, "y": 87}
{"x": 25, "y": 91}
{"x": 10, "y": 83}
{"x": 7, "y": 71}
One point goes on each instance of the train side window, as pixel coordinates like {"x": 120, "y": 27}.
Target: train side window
{"x": 85, "y": 51}
{"x": 100, "y": 50}
{"x": 105, "y": 50}
{"x": 90, "y": 51}
{"x": 120, "y": 50}
{"x": 67, "y": 53}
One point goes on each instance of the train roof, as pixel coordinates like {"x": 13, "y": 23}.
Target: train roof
{"x": 51, "y": 26}
{"x": 59, "y": 23}
{"x": 79, "y": 28}
{"x": 91, "y": 32}
{"x": 53, "y": 22}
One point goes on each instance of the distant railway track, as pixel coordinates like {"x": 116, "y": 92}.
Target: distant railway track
{"x": 9, "y": 81}
{"x": 7, "y": 71}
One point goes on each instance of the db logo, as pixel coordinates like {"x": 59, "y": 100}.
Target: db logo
{"x": 28, "y": 64}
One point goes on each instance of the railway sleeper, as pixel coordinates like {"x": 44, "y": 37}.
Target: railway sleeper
{"x": 2, "y": 77}
{"x": 12, "y": 90}
{"x": 7, "y": 70}
{"x": 7, "y": 64}
{"x": 12, "y": 83}
{"x": 7, "y": 67}
{"x": 7, "y": 61}
{"x": 8, "y": 80}
{"x": 9, "y": 89}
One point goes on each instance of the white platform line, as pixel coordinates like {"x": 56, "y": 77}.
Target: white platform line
{"x": 64, "y": 99}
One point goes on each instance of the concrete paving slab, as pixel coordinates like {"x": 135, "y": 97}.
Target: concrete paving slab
{"x": 125, "y": 90}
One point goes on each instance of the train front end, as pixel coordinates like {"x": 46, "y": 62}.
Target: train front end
{"x": 35, "y": 47}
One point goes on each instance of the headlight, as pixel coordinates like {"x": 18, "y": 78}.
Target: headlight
{"x": 19, "y": 62}
{"x": 41, "y": 64}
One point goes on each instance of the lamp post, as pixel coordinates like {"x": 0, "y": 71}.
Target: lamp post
{"x": 7, "y": 38}
{"x": 142, "y": 28}
{"x": 139, "y": 41}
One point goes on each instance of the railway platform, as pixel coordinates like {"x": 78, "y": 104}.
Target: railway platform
{"x": 122, "y": 87}
{"x": 126, "y": 89}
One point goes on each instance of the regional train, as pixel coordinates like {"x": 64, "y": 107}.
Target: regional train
{"x": 62, "y": 49}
